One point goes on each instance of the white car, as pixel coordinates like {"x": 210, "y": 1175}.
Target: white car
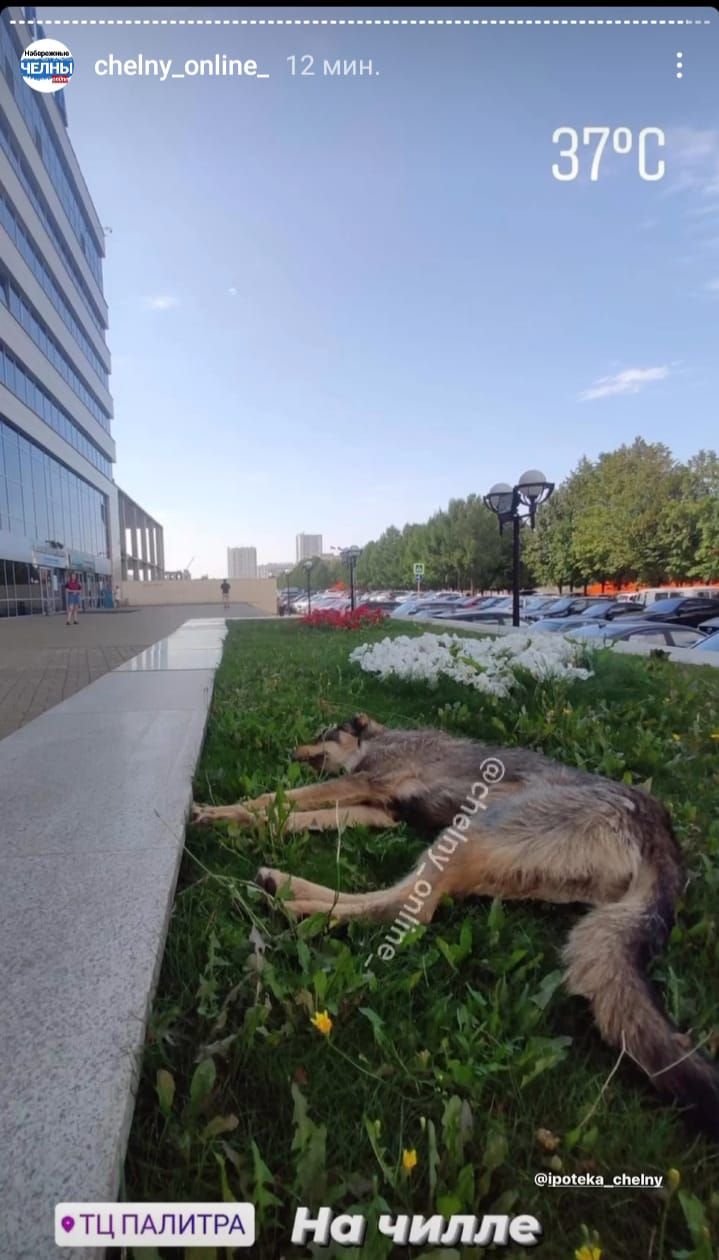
{"x": 655, "y": 634}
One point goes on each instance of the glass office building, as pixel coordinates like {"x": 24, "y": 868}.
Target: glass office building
{"x": 58, "y": 500}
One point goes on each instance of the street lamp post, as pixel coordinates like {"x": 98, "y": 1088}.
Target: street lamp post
{"x": 506, "y": 501}
{"x": 350, "y": 556}
{"x": 308, "y": 570}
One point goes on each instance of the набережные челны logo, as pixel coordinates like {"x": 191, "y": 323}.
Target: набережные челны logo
{"x": 47, "y": 65}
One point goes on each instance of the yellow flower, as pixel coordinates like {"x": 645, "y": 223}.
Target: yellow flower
{"x": 322, "y": 1023}
{"x": 674, "y": 1179}
{"x": 548, "y": 1140}
{"x": 409, "y": 1160}
{"x": 676, "y": 737}
{"x": 588, "y": 1252}
{"x": 714, "y": 735}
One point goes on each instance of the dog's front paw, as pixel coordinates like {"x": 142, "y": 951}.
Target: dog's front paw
{"x": 270, "y": 880}
{"x": 200, "y": 814}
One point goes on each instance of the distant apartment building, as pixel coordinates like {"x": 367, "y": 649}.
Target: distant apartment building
{"x": 307, "y": 546}
{"x": 275, "y": 568}
{"x": 242, "y": 562}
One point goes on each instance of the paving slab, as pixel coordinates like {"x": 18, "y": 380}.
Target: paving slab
{"x": 95, "y": 794}
{"x": 75, "y": 1001}
{"x": 167, "y": 655}
{"x": 143, "y": 690}
{"x": 96, "y": 782}
{"x": 195, "y": 640}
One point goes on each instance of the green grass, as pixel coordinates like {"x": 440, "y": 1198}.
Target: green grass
{"x": 465, "y": 1044}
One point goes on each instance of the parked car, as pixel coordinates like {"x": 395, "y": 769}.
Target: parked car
{"x": 708, "y": 644}
{"x": 611, "y": 609}
{"x": 565, "y": 606}
{"x": 473, "y": 601}
{"x": 379, "y": 605}
{"x": 562, "y": 625}
{"x": 321, "y": 599}
{"x": 653, "y": 633}
{"x": 536, "y": 604}
{"x": 498, "y": 610}
{"x": 418, "y": 604}
{"x": 479, "y": 604}
{"x": 403, "y": 610}
{"x": 689, "y": 611}
{"x": 652, "y": 594}
{"x": 597, "y": 610}
{"x": 438, "y": 603}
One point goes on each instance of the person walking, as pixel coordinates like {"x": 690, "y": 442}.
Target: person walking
{"x": 225, "y": 588}
{"x": 73, "y": 590}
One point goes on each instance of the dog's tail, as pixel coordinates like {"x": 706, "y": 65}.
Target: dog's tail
{"x": 606, "y": 955}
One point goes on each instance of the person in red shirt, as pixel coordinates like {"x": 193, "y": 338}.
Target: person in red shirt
{"x": 72, "y": 592}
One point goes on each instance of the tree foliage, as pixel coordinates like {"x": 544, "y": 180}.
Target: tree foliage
{"x": 459, "y": 547}
{"x": 633, "y": 515}
{"x": 323, "y": 574}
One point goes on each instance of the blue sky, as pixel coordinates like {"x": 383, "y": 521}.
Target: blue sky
{"x": 336, "y": 303}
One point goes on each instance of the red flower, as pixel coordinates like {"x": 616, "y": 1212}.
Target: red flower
{"x": 333, "y": 619}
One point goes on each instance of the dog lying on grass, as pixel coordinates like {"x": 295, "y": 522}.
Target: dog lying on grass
{"x": 540, "y": 831}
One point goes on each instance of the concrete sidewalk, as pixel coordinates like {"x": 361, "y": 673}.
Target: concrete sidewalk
{"x": 95, "y": 796}
{"x": 44, "y": 661}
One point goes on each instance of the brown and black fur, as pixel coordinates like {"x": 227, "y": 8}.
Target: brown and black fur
{"x": 544, "y": 831}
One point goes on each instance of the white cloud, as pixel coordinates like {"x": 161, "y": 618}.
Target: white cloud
{"x": 232, "y": 292}
{"x": 713, "y": 285}
{"x": 693, "y": 146}
{"x": 630, "y": 381}
{"x": 693, "y": 158}
{"x": 160, "y": 302}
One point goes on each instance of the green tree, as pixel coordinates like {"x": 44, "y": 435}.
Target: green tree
{"x": 633, "y": 514}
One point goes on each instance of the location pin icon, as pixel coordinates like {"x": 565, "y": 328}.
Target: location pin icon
{"x": 68, "y": 1223}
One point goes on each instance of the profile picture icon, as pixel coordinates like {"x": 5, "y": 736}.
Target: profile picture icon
{"x": 47, "y": 65}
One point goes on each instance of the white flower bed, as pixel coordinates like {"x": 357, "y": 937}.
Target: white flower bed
{"x": 486, "y": 664}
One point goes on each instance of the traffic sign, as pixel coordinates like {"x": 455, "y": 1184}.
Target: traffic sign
{"x": 419, "y": 570}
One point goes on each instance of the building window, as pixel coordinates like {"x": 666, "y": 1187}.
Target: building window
{"x": 15, "y": 376}
{"x": 13, "y": 226}
{"x": 41, "y": 498}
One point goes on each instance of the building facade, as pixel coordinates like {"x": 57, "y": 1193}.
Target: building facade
{"x": 242, "y": 562}
{"x": 142, "y": 542}
{"x": 307, "y": 546}
{"x": 59, "y": 510}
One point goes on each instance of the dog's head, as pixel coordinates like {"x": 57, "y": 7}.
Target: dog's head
{"x": 336, "y": 747}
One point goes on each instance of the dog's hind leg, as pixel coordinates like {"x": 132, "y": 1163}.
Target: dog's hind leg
{"x": 414, "y": 893}
{"x": 546, "y": 843}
